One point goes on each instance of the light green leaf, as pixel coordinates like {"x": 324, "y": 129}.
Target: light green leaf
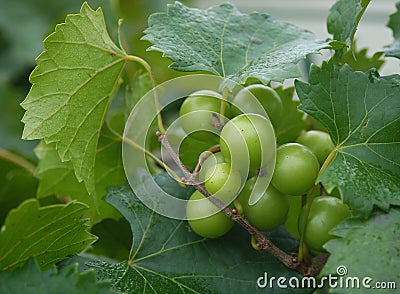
{"x": 343, "y": 19}
{"x": 361, "y": 111}
{"x": 394, "y": 24}
{"x": 58, "y": 178}
{"x": 166, "y": 257}
{"x": 367, "y": 248}
{"x": 29, "y": 279}
{"x": 72, "y": 87}
{"x": 292, "y": 121}
{"x": 50, "y": 233}
{"x": 226, "y": 42}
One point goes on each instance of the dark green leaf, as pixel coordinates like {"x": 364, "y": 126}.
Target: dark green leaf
{"x": 344, "y": 17}
{"x": 29, "y": 279}
{"x": 226, "y": 42}
{"x": 167, "y": 257}
{"x": 361, "y": 111}
{"x": 394, "y": 24}
{"x": 50, "y": 233}
{"x": 73, "y": 83}
{"x": 367, "y": 248}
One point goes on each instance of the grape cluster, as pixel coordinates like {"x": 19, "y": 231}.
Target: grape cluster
{"x": 247, "y": 153}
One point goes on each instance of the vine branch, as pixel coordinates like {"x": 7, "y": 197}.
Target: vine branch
{"x": 262, "y": 242}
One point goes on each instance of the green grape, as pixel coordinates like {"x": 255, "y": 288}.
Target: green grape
{"x": 268, "y": 97}
{"x": 319, "y": 142}
{"x": 211, "y": 160}
{"x": 196, "y": 114}
{"x": 325, "y": 213}
{"x": 250, "y": 140}
{"x": 296, "y": 169}
{"x": 269, "y": 212}
{"x": 223, "y": 182}
{"x": 214, "y": 225}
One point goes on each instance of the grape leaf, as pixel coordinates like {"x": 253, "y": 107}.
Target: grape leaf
{"x": 223, "y": 41}
{"x": 50, "y": 233}
{"x": 394, "y": 24}
{"x": 343, "y": 19}
{"x": 292, "y": 121}
{"x": 167, "y": 257}
{"x": 57, "y": 177}
{"x": 29, "y": 279}
{"x": 368, "y": 248}
{"x": 72, "y": 86}
{"x": 361, "y": 111}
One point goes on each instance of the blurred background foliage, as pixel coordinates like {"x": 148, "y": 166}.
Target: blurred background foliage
{"x": 24, "y": 24}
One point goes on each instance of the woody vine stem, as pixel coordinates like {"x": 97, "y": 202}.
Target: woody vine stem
{"x": 263, "y": 242}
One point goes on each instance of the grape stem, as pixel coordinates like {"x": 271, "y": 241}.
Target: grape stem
{"x": 147, "y": 67}
{"x": 303, "y": 251}
{"x": 262, "y": 241}
{"x": 203, "y": 156}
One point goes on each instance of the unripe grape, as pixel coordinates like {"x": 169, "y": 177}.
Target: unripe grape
{"x": 268, "y": 97}
{"x": 325, "y": 213}
{"x": 269, "y": 212}
{"x": 214, "y": 225}
{"x": 211, "y": 160}
{"x": 223, "y": 182}
{"x": 196, "y": 114}
{"x": 318, "y": 142}
{"x": 296, "y": 169}
{"x": 250, "y": 140}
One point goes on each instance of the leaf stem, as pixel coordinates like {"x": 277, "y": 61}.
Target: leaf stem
{"x": 262, "y": 241}
{"x": 327, "y": 161}
{"x": 147, "y": 67}
{"x": 147, "y": 153}
{"x": 302, "y": 249}
{"x": 18, "y": 160}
